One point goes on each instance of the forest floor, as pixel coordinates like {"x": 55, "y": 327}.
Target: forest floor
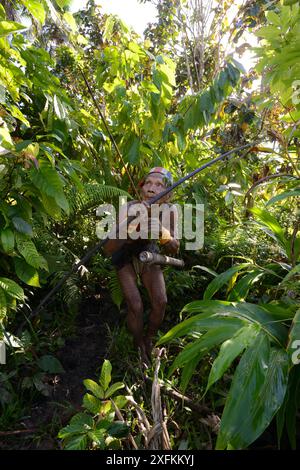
{"x": 81, "y": 357}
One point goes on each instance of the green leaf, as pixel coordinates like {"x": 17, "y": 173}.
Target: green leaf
{"x": 284, "y": 195}
{"x": 3, "y": 308}
{"x": 118, "y": 429}
{"x": 97, "y": 436}
{"x": 7, "y": 240}
{"x": 28, "y": 250}
{"x": 204, "y": 268}
{"x": 201, "y": 346}
{"x": 199, "y": 323}
{"x": 94, "y": 388}
{"x": 92, "y": 403}
{"x": 15, "y": 112}
{"x": 26, "y": 273}
{"x": 187, "y": 372}
{"x": 273, "y": 18}
{"x": 5, "y": 138}
{"x": 108, "y": 27}
{"x": 47, "y": 180}
{"x": 50, "y": 364}
{"x": 222, "y": 279}
{"x": 105, "y": 377}
{"x": 59, "y": 108}
{"x": 22, "y": 226}
{"x": 291, "y": 406}
{"x": 120, "y": 401}
{"x": 36, "y": 8}
{"x": 229, "y": 350}
{"x": 241, "y": 288}
{"x": 113, "y": 388}
{"x": 82, "y": 419}
{"x": 7, "y": 27}
{"x": 71, "y": 429}
{"x": 11, "y": 288}
{"x": 63, "y": 3}
{"x": 257, "y": 392}
{"x": 217, "y": 313}
{"x": 76, "y": 443}
{"x": 276, "y": 231}
{"x": 133, "y": 154}
{"x": 294, "y": 337}
{"x": 2, "y": 12}
{"x": 69, "y": 18}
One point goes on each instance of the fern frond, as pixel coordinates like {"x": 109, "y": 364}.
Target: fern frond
{"x": 92, "y": 196}
{"x": 115, "y": 289}
{"x": 71, "y": 291}
{"x": 28, "y": 250}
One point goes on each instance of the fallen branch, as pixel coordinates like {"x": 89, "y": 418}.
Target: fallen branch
{"x": 202, "y": 409}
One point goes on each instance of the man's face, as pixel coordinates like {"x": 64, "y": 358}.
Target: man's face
{"x": 153, "y": 186}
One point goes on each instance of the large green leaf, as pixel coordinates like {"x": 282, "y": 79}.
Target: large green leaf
{"x": 94, "y": 388}
{"x": 200, "y": 323}
{"x": 257, "y": 392}
{"x": 77, "y": 443}
{"x": 242, "y": 287}
{"x": 47, "y": 180}
{"x": 2, "y": 304}
{"x": 7, "y": 27}
{"x": 82, "y": 419}
{"x": 105, "y": 376}
{"x": 11, "y": 288}
{"x": 50, "y": 364}
{"x": 284, "y": 195}
{"x": 230, "y": 349}
{"x": 28, "y": 250}
{"x": 113, "y": 388}
{"x": 26, "y": 273}
{"x": 274, "y": 229}
{"x": 7, "y": 240}
{"x": 22, "y": 226}
{"x": 201, "y": 346}
{"x": 36, "y": 8}
{"x": 294, "y": 337}
{"x": 222, "y": 279}
{"x": 118, "y": 429}
{"x": 92, "y": 403}
{"x": 219, "y": 313}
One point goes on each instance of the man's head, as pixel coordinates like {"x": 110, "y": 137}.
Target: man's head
{"x": 155, "y": 182}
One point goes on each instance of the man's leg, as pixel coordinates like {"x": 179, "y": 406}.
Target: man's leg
{"x": 154, "y": 282}
{"x": 127, "y": 278}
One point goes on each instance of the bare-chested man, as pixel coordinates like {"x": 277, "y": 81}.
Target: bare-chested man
{"x": 125, "y": 259}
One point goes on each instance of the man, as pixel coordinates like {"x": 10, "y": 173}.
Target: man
{"x": 125, "y": 259}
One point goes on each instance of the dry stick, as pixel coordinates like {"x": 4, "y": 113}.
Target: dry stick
{"x": 183, "y": 399}
{"x": 143, "y": 422}
{"x": 161, "y": 440}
